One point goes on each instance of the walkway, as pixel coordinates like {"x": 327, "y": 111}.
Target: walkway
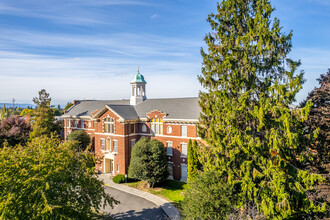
{"x": 166, "y": 206}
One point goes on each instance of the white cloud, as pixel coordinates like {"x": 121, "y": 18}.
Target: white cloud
{"x": 154, "y": 16}
{"x": 23, "y": 75}
{"x": 138, "y": 45}
{"x": 72, "y": 12}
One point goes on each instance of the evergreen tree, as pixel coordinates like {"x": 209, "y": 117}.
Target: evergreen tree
{"x": 193, "y": 161}
{"x": 252, "y": 136}
{"x": 5, "y": 112}
{"x": 44, "y": 121}
{"x": 207, "y": 197}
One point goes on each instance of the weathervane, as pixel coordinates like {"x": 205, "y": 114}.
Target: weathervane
{"x": 138, "y": 69}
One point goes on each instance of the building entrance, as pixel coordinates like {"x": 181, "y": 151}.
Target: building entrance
{"x": 108, "y": 168}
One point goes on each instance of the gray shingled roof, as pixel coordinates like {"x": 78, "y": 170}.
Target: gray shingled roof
{"x": 86, "y": 107}
{"x": 126, "y": 111}
{"x": 176, "y": 108}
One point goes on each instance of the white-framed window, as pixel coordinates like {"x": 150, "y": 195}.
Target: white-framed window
{"x": 169, "y": 130}
{"x": 69, "y": 123}
{"x": 132, "y": 143}
{"x": 115, "y": 146}
{"x": 144, "y": 128}
{"x": 184, "y": 130}
{"x": 82, "y": 124}
{"x": 89, "y": 124}
{"x": 75, "y": 123}
{"x": 157, "y": 126}
{"x": 102, "y": 144}
{"x": 184, "y": 150}
{"x": 108, "y": 146}
{"x": 170, "y": 170}
{"x": 169, "y": 150}
{"x": 183, "y": 172}
{"x": 109, "y": 125}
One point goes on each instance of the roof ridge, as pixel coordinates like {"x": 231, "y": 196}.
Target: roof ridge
{"x": 173, "y": 98}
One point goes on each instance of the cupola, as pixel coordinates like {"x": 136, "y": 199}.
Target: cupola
{"x": 138, "y": 89}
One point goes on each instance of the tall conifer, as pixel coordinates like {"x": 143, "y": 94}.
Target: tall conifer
{"x": 43, "y": 123}
{"x": 252, "y": 136}
{"x": 193, "y": 162}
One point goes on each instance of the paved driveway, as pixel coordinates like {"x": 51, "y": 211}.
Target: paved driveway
{"x": 133, "y": 207}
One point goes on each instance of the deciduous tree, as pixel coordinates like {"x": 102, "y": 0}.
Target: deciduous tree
{"x": 27, "y": 112}
{"x": 81, "y": 137}
{"x": 319, "y": 120}
{"x": 49, "y": 180}
{"x": 148, "y": 161}
{"x": 14, "y": 130}
{"x": 252, "y": 136}
{"x": 68, "y": 105}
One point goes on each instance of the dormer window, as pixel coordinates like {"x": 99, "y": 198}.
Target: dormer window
{"x": 109, "y": 125}
{"x": 157, "y": 126}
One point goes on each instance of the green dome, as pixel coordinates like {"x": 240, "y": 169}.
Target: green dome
{"x": 138, "y": 78}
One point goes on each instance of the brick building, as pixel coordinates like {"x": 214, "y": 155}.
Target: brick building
{"x": 116, "y": 125}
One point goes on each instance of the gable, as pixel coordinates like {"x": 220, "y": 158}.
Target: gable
{"x": 156, "y": 114}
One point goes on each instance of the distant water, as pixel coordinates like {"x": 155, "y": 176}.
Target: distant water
{"x": 9, "y": 105}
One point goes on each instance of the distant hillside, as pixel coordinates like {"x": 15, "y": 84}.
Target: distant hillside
{"x": 9, "y": 105}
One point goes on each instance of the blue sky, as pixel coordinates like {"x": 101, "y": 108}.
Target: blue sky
{"x": 90, "y": 49}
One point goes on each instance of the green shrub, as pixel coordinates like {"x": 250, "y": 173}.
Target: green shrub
{"x": 120, "y": 178}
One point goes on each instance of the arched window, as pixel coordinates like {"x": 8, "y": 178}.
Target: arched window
{"x": 109, "y": 125}
{"x": 157, "y": 126}
{"x": 169, "y": 130}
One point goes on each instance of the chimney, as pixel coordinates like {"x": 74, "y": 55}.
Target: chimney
{"x": 75, "y": 102}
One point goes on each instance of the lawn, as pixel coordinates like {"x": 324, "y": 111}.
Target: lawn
{"x": 171, "y": 190}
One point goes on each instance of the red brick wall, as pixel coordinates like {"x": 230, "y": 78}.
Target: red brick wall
{"x": 124, "y": 136}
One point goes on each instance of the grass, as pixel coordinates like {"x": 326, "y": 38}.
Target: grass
{"x": 171, "y": 190}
